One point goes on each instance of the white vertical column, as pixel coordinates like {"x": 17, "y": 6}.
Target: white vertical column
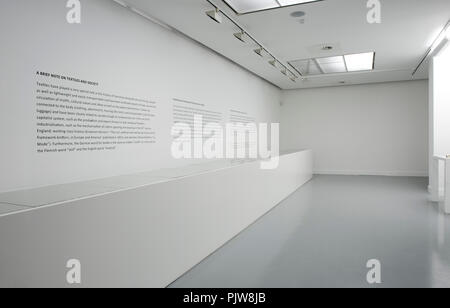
{"x": 434, "y": 180}
{"x": 439, "y": 113}
{"x": 433, "y": 162}
{"x": 447, "y": 186}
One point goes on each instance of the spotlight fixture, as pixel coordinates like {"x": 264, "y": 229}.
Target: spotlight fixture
{"x": 292, "y": 77}
{"x": 215, "y": 15}
{"x": 284, "y": 71}
{"x": 259, "y": 51}
{"x": 240, "y": 36}
{"x": 273, "y": 62}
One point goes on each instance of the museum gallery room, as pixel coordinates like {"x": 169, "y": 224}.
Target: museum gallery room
{"x": 225, "y": 144}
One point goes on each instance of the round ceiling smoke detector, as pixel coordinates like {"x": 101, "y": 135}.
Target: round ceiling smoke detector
{"x": 298, "y": 14}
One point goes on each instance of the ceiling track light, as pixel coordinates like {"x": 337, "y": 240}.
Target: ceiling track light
{"x": 243, "y": 36}
{"x": 215, "y": 15}
{"x": 240, "y": 36}
{"x": 292, "y": 76}
{"x": 259, "y": 52}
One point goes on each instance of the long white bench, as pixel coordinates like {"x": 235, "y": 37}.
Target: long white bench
{"x": 143, "y": 230}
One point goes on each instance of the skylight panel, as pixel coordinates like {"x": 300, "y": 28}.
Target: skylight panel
{"x": 250, "y": 6}
{"x": 360, "y": 62}
{"x": 335, "y": 65}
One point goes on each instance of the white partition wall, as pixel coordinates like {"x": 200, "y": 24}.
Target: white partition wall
{"x": 439, "y": 146}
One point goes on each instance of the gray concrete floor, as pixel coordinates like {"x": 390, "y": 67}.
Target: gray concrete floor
{"x": 324, "y": 234}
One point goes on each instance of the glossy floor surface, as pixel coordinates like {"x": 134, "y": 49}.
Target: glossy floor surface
{"x": 324, "y": 234}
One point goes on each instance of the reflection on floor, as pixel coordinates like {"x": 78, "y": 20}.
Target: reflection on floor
{"x": 324, "y": 234}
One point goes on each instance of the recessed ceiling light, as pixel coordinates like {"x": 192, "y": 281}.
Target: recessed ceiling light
{"x": 360, "y": 62}
{"x": 250, "y": 6}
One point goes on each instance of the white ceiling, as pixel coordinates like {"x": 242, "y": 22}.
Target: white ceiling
{"x": 400, "y": 41}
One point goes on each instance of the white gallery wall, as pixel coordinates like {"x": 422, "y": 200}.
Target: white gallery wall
{"x": 378, "y": 129}
{"x": 441, "y": 102}
{"x": 116, "y": 58}
{"x": 439, "y": 113}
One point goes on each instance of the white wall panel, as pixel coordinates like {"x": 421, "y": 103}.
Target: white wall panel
{"x": 378, "y": 129}
{"x": 127, "y": 55}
